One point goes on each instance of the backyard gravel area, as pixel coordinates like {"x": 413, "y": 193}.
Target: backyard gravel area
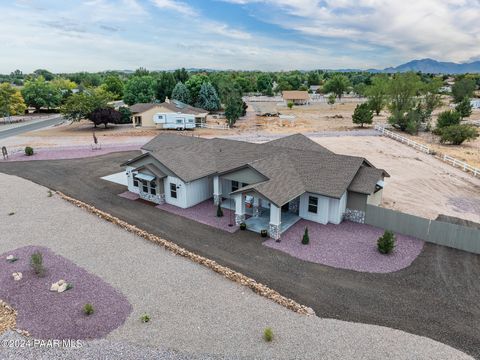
{"x": 347, "y": 246}
{"x": 51, "y": 315}
{"x": 193, "y": 310}
{"x": 71, "y": 152}
{"x": 205, "y": 213}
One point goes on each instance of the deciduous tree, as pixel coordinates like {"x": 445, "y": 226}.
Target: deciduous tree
{"x": 139, "y": 89}
{"x": 11, "y": 101}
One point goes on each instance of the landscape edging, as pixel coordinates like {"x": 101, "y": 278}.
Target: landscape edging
{"x": 228, "y": 273}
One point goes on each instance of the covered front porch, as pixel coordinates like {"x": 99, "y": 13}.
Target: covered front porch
{"x": 257, "y": 224}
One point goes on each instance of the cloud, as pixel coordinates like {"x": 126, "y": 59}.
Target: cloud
{"x": 177, "y": 6}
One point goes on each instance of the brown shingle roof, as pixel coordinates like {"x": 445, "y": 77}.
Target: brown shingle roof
{"x": 174, "y": 106}
{"x": 292, "y": 165}
{"x": 141, "y": 107}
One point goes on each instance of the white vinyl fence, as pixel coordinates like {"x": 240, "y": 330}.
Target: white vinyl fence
{"x": 446, "y": 158}
{"x": 213, "y": 126}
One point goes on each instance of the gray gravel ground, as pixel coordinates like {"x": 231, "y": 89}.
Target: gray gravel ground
{"x": 193, "y": 310}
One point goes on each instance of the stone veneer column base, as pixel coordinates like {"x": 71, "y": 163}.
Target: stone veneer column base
{"x": 357, "y": 216}
{"x": 217, "y": 199}
{"x": 239, "y": 218}
{"x": 274, "y": 231}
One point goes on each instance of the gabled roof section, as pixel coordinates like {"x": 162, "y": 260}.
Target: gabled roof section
{"x": 141, "y": 107}
{"x": 365, "y": 179}
{"x": 168, "y": 140}
{"x": 299, "y": 142}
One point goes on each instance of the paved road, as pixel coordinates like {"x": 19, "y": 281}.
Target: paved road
{"x": 437, "y": 296}
{"x": 30, "y": 127}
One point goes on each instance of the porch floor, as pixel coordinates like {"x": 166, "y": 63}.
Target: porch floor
{"x": 256, "y": 224}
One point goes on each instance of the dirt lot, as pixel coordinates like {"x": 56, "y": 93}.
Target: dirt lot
{"x": 419, "y": 183}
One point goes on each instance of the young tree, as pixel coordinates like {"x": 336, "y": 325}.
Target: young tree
{"x": 208, "y": 98}
{"x": 234, "y": 109}
{"x": 139, "y": 89}
{"x": 113, "y": 84}
{"x": 463, "y": 88}
{"x": 180, "y": 92}
{"x": 431, "y": 99}
{"x": 464, "y": 107}
{"x": 38, "y": 93}
{"x": 338, "y": 84}
{"x": 11, "y": 101}
{"x": 457, "y": 134}
{"x": 331, "y": 100}
{"x": 377, "y": 93}
{"x": 164, "y": 86}
{"x": 362, "y": 114}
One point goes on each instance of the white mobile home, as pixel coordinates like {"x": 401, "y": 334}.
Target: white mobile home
{"x": 177, "y": 121}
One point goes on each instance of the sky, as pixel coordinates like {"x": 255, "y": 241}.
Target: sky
{"x": 97, "y": 35}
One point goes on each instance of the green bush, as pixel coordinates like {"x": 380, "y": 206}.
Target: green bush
{"x": 88, "y": 309}
{"x": 268, "y": 334}
{"x": 386, "y": 242}
{"x": 457, "y": 134}
{"x": 306, "y": 238}
{"x": 448, "y": 118}
{"x": 36, "y": 262}
{"x": 263, "y": 233}
{"x": 29, "y": 151}
{"x": 290, "y": 104}
{"x": 219, "y": 211}
{"x": 362, "y": 114}
{"x": 243, "y": 226}
{"x": 145, "y": 318}
{"x": 125, "y": 117}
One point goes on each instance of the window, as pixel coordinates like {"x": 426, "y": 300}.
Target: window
{"x": 153, "y": 189}
{"x": 179, "y": 121}
{"x": 135, "y": 181}
{"x": 234, "y": 185}
{"x": 173, "y": 190}
{"x": 145, "y": 186}
{"x": 312, "y": 204}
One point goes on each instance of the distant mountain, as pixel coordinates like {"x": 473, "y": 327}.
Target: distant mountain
{"x": 435, "y": 67}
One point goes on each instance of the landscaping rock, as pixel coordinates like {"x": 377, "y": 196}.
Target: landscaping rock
{"x": 54, "y": 287}
{"x": 17, "y": 276}
{"x": 62, "y": 288}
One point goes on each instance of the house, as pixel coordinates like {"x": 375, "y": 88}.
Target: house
{"x": 270, "y": 186}
{"x": 146, "y": 114}
{"x": 117, "y": 104}
{"x": 297, "y": 97}
{"x": 314, "y": 88}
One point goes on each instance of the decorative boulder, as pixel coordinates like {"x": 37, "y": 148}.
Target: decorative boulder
{"x": 17, "y": 276}
{"x": 11, "y": 258}
{"x": 54, "y": 287}
{"x": 62, "y": 288}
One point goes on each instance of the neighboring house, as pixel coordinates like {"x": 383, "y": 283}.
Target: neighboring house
{"x": 146, "y": 114}
{"x": 296, "y": 96}
{"x": 117, "y": 104}
{"x": 275, "y": 183}
{"x": 314, "y": 88}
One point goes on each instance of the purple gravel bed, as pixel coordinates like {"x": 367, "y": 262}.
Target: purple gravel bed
{"x": 129, "y": 195}
{"x": 51, "y": 315}
{"x": 74, "y": 152}
{"x": 347, "y": 246}
{"x": 205, "y": 213}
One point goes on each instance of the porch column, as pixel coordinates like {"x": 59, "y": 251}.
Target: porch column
{"x": 256, "y": 207}
{"x": 275, "y": 222}
{"x": 239, "y": 208}
{"x": 217, "y": 190}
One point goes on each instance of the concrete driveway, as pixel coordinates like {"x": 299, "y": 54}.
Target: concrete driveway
{"x": 437, "y": 296}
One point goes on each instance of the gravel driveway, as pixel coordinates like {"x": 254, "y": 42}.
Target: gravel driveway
{"x": 193, "y": 309}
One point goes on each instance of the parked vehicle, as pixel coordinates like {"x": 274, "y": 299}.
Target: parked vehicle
{"x": 177, "y": 121}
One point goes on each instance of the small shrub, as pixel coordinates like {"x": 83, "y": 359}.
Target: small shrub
{"x": 268, "y": 334}
{"x": 386, "y": 242}
{"x": 263, "y": 233}
{"x": 145, "y": 318}
{"x": 243, "y": 226}
{"x": 36, "y": 262}
{"x": 219, "y": 211}
{"x": 29, "y": 151}
{"x": 448, "y": 118}
{"x": 457, "y": 134}
{"x": 290, "y": 104}
{"x": 306, "y": 238}
{"x": 49, "y": 193}
{"x": 88, "y": 309}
